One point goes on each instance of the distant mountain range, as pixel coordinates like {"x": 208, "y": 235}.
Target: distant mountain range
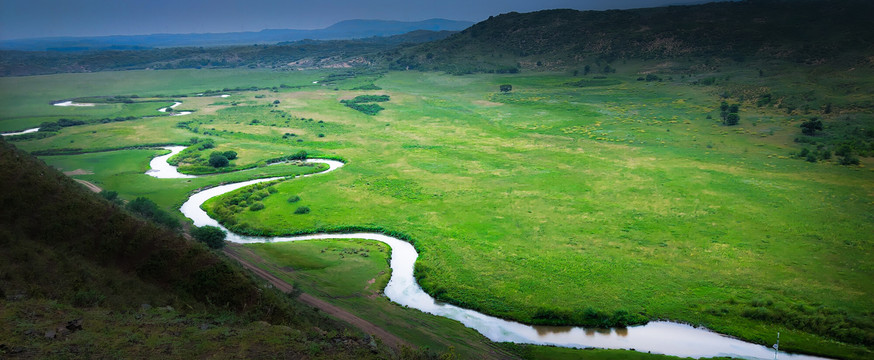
{"x": 349, "y": 29}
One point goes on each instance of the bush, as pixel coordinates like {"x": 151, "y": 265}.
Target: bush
{"x": 230, "y": 154}
{"x": 147, "y": 208}
{"x": 810, "y": 126}
{"x": 218, "y": 160}
{"x": 302, "y": 210}
{"x": 294, "y": 199}
{"x": 256, "y": 206}
{"x": 87, "y": 298}
{"x": 210, "y": 235}
{"x": 300, "y": 155}
{"x": 109, "y": 195}
{"x": 849, "y": 160}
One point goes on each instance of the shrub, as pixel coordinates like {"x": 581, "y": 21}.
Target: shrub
{"x": 230, "y": 154}
{"x": 302, "y": 210}
{"x": 150, "y": 210}
{"x": 210, "y": 235}
{"x": 87, "y": 298}
{"x": 294, "y": 199}
{"x": 109, "y": 195}
{"x": 300, "y": 155}
{"x": 218, "y": 160}
{"x": 810, "y": 126}
{"x": 256, "y": 206}
{"x": 849, "y": 159}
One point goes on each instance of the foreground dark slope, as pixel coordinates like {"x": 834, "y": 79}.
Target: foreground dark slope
{"x": 808, "y": 31}
{"x": 81, "y": 277}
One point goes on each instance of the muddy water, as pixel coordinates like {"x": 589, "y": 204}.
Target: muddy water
{"x": 660, "y": 337}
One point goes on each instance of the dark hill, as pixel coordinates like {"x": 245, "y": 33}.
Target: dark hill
{"x": 82, "y": 278}
{"x": 800, "y": 31}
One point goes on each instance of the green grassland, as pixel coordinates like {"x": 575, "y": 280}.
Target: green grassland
{"x": 124, "y": 171}
{"x": 553, "y": 198}
{"x": 351, "y": 275}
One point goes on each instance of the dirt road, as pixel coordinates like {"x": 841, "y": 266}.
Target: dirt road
{"x": 237, "y": 252}
{"x": 89, "y": 185}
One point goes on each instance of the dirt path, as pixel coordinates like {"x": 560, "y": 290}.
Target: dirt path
{"x": 235, "y": 252}
{"x": 89, "y": 185}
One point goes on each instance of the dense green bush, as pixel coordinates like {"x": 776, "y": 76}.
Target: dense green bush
{"x": 302, "y": 210}
{"x": 148, "y": 209}
{"x": 810, "y": 126}
{"x": 212, "y": 236}
{"x": 218, "y": 159}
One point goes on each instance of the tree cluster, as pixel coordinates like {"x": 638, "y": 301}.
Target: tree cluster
{"x": 729, "y": 113}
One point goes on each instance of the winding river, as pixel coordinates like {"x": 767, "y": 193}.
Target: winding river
{"x": 660, "y": 337}
{"x": 28, "y": 131}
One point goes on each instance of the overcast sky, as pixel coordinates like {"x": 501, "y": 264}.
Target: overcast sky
{"x": 44, "y": 18}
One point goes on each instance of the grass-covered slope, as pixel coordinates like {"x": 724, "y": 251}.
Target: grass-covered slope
{"x": 799, "y": 31}
{"x": 80, "y": 277}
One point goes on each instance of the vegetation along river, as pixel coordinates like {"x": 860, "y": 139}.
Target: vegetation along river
{"x": 662, "y": 337}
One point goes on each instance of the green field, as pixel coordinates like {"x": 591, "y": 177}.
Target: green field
{"x": 536, "y": 204}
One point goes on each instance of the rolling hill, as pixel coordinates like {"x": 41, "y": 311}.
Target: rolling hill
{"x": 805, "y": 31}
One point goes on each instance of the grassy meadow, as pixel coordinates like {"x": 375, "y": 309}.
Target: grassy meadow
{"x": 536, "y": 204}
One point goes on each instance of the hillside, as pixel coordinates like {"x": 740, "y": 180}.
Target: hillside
{"x": 80, "y": 277}
{"x": 806, "y": 31}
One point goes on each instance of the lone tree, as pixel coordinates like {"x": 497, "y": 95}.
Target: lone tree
{"x": 506, "y": 88}
{"x": 210, "y": 235}
{"x": 729, "y": 113}
{"x": 810, "y": 126}
{"x": 218, "y": 159}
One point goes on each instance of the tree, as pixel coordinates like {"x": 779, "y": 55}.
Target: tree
{"x": 729, "y": 113}
{"x": 810, "y": 126}
{"x": 218, "y": 160}
{"x": 587, "y": 69}
{"x": 506, "y": 88}
{"x": 210, "y": 235}
{"x": 230, "y": 154}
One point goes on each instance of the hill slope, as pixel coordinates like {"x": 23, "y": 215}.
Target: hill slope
{"x": 809, "y": 31}
{"x": 97, "y": 282}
